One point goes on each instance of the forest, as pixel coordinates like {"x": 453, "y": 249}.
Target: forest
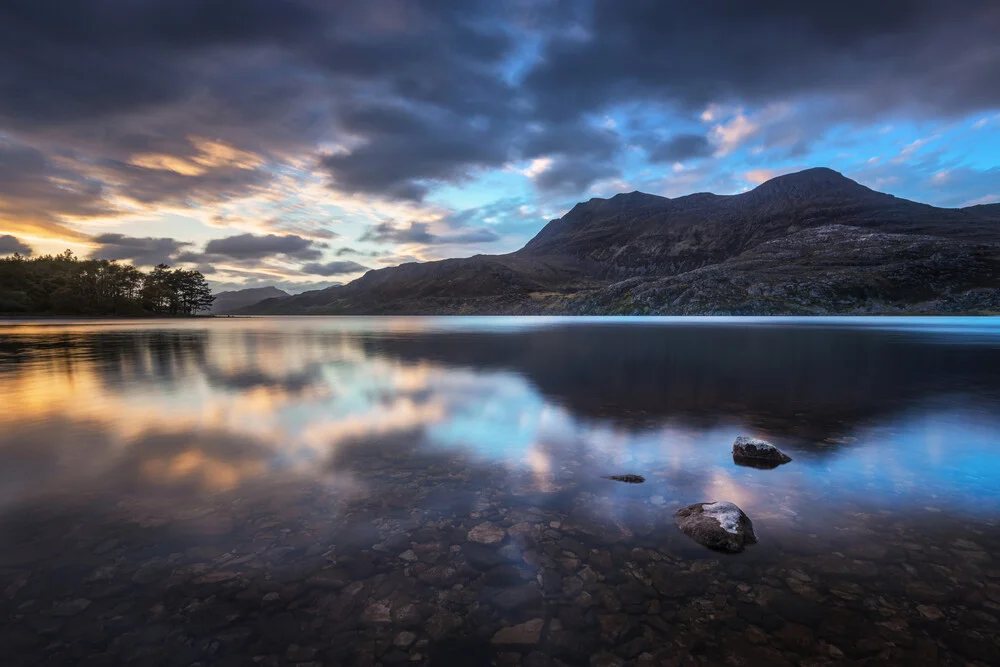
{"x": 66, "y": 285}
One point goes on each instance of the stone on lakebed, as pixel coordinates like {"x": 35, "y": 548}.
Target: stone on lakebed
{"x": 721, "y": 526}
{"x": 757, "y": 453}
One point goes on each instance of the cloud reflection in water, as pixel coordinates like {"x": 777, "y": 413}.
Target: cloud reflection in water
{"x": 207, "y": 407}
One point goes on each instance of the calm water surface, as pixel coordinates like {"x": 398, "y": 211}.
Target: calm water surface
{"x": 363, "y": 491}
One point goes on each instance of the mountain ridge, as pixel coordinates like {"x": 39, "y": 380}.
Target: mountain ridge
{"x": 231, "y": 300}
{"x": 632, "y": 252}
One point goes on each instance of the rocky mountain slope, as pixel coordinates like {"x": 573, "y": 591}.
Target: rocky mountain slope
{"x": 227, "y": 302}
{"x": 813, "y": 242}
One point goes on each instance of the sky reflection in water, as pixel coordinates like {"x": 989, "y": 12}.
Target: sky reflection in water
{"x": 876, "y": 413}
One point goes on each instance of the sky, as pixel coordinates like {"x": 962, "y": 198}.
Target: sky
{"x": 300, "y": 143}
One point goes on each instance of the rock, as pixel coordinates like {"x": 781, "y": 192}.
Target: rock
{"x": 153, "y": 571}
{"x": 70, "y": 607}
{"x": 721, "y": 526}
{"x": 757, "y": 453}
{"x": 443, "y": 623}
{"x": 552, "y": 581}
{"x": 521, "y": 596}
{"x": 108, "y": 545}
{"x": 408, "y": 616}
{"x": 296, "y": 653}
{"x": 606, "y": 660}
{"x": 487, "y": 533}
{"x": 395, "y": 657}
{"x": 628, "y": 479}
{"x": 409, "y": 556}
{"x": 377, "y": 611}
{"x": 929, "y": 612}
{"x": 503, "y": 575}
{"x": 525, "y": 634}
{"x": 481, "y": 557}
{"x": 404, "y": 639}
{"x": 442, "y": 576}
{"x": 333, "y": 579}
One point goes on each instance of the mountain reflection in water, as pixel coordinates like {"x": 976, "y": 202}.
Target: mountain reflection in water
{"x": 230, "y": 459}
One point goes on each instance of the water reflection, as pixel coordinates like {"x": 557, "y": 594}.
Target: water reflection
{"x": 302, "y": 447}
{"x": 247, "y": 398}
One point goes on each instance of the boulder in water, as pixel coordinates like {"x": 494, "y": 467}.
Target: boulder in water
{"x": 721, "y": 526}
{"x": 757, "y": 453}
{"x": 628, "y": 479}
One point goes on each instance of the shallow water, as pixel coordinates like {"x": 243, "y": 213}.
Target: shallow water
{"x": 360, "y": 491}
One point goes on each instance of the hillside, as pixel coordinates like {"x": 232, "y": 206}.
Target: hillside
{"x": 227, "y": 302}
{"x": 813, "y": 242}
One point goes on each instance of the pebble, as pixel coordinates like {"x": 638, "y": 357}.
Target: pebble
{"x": 525, "y": 634}
{"x": 561, "y": 585}
{"x": 487, "y": 533}
{"x": 929, "y": 612}
{"x": 71, "y": 607}
{"x": 404, "y": 639}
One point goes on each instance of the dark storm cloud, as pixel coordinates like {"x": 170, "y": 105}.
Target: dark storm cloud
{"x": 422, "y": 92}
{"x": 405, "y": 148}
{"x": 897, "y": 53}
{"x": 91, "y": 60}
{"x": 385, "y": 232}
{"x": 679, "y": 148}
{"x": 337, "y": 268}
{"x": 571, "y": 176}
{"x": 147, "y": 251}
{"x": 480, "y": 235}
{"x": 419, "y": 232}
{"x": 251, "y": 247}
{"x": 121, "y": 77}
{"x": 10, "y": 245}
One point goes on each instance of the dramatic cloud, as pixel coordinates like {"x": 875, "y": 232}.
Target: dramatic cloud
{"x": 679, "y": 148}
{"x": 385, "y": 232}
{"x": 572, "y": 176}
{"x": 10, "y": 245}
{"x": 338, "y": 268}
{"x": 290, "y": 119}
{"x": 897, "y": 53}
{"x": 38, "y": 193}
{"x": 146, "y": 251}
{"x": 419, "y": 232}
{"x": 251, "y": 247}
{"x": 403, "y": 149}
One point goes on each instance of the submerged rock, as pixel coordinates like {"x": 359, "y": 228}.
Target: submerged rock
{"x": 628, "y": 479}
{"x": 525, "y": 634}
{"x": 757, "y": 453}
{"x": 721, "y": 526}
{"x": 487, "y": 533}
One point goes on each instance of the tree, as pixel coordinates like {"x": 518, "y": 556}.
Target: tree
{"x": 193, "y": 291}
{"x": 65, "y": 285}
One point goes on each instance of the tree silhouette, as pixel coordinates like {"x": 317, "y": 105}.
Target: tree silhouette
{"x": 65, "y": 285}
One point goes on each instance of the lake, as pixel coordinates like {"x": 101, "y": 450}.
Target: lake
{"x": 364, "y": 491}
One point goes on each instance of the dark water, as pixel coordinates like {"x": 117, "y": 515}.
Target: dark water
{"x": 302, "y": 491}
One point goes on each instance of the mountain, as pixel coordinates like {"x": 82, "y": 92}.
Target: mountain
{"x": 813, "y": 242}
{"x": 226, "y": 302}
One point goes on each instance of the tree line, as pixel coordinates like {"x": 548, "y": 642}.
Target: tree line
{"x": 66, "y": 285}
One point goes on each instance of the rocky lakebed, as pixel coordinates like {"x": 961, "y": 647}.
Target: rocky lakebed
{"x": 351, "y": 492}
{"x": 438, "y": 560}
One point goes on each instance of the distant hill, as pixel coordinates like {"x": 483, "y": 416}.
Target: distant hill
{"x": 813, "y": 242}
{"x": 226, "y": 302}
